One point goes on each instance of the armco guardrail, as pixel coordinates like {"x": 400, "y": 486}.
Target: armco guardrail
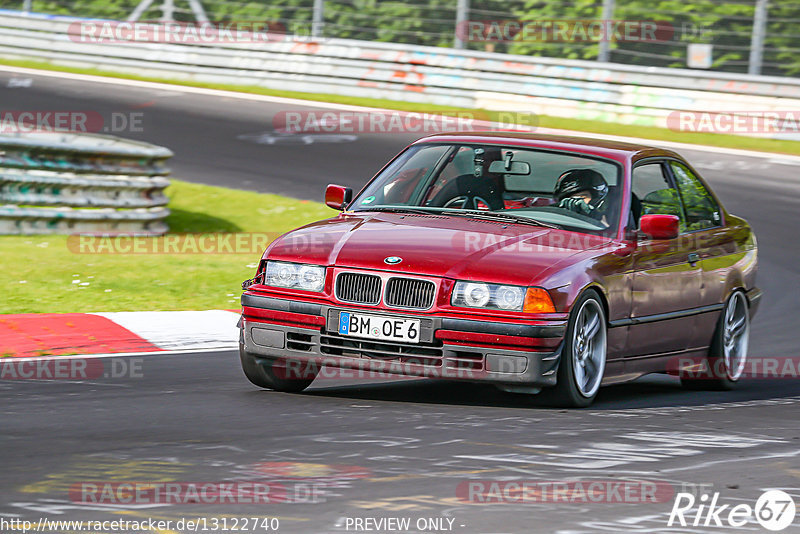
{"x": 576, "y": 89}
{"x": 60, "y": 183}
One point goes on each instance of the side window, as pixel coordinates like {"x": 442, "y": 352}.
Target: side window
{"x": 652, "y": 193}
{"x": 406, "y": 176}
{"x": 459, "y": 164}
{"x": 701, "y": 209}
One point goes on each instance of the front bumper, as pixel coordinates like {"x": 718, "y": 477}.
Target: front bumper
{"x": 754, "y": 299}
{"x": 449, "y": 348}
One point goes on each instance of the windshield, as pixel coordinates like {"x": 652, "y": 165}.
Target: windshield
{"x": 536, "y": 186}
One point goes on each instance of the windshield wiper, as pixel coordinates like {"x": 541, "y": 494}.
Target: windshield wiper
{"x": 473, "y": 214}
{"x": 401, "y": 209}
{"x": 494, "y": 216}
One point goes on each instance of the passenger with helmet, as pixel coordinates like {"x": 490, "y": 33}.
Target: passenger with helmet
{"x": 582, "y": 191}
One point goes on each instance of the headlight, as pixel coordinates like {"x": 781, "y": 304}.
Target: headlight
{"x": 294, "y": 276}
{"x": 500, "y": 297}
{"x": 474, "y": 295}
{"x": 509, "y": 297}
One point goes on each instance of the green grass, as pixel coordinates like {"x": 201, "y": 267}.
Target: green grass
{"x": 39, "y": 272}
{"x": 593, "y": 126}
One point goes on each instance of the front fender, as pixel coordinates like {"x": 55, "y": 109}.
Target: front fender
{"x": 605, "y": 270}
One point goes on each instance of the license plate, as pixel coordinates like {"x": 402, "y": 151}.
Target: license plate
{"x": 378, "y": 327}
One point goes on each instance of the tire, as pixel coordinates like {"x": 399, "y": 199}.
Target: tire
{"x": 276, "y": 374}
{"x": 727, "y": 356}
{"x": 583, "y": 358}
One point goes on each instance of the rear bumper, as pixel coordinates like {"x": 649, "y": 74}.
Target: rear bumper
{"x": 449, "y": 348}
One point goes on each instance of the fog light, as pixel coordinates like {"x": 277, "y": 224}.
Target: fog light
{"x": 503, "y": 363}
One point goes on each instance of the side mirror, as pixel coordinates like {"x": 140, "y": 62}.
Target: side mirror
{"x": 338, "y": 196}
{"x": 658, "y": 226}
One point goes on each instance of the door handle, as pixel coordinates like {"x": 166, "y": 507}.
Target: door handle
{"x": 693, "y": 258}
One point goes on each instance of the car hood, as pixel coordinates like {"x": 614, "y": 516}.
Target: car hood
{"x": 434, "y": 245}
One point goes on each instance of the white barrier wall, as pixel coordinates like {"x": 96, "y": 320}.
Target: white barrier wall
{"x": 577, "y": 89}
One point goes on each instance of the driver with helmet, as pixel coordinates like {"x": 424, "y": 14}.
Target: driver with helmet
{"x": 582, "y": 191}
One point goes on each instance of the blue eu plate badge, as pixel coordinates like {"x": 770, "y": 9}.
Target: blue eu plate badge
{"x": 344, "y": 323}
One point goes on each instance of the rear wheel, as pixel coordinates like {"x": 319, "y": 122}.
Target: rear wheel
{"x": 727, "y": 357}
{"x": 583, "y": 360}
{"x": 280, "y": 375}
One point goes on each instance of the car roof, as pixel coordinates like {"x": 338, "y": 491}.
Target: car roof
{"x": 598, "y": 147}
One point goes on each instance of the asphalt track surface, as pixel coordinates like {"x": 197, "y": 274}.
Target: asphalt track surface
{"x": 392, "y": 449}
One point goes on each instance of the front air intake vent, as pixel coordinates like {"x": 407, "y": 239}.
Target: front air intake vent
{"x": 358, "y": 288}
{"x": 410, "y": 293}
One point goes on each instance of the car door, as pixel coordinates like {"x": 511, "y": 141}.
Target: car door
{"x": 666, "y": 277}
{"x": 712, "y": 242}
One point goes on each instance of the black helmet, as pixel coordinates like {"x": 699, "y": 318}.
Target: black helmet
{"x": 577, "y": 180}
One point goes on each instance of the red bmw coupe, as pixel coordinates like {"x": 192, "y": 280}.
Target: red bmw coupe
{"x": 527, "y": 261}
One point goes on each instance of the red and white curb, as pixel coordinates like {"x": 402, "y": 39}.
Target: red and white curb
{"x": 46, "y": 334}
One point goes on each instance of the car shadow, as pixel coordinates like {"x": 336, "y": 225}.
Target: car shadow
{"x": 183, "y": 221}
{"x": 654, "y": 391}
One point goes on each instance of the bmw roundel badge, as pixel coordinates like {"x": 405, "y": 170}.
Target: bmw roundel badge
{"x": 393, "y": 260}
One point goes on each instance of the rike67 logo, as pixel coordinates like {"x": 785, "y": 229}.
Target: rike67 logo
{"x": 774, "y": 510}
